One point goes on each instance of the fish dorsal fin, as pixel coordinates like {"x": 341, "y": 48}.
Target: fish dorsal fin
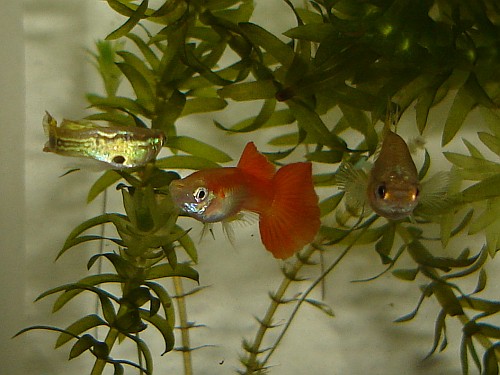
{"x": 256, "y": 164}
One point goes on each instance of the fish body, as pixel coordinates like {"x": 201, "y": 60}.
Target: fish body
{"x": 285, "y": 200}
{"x": 393, "y": 184}
{"x": 118, "y": 146}
{"x": 391, "y": 188}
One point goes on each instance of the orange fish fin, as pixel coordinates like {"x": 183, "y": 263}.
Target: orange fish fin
{"x": 256, "y": 164}
{"x": 293, "y": 219}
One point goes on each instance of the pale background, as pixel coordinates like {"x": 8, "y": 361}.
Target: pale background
{"x": 45, "y": 66}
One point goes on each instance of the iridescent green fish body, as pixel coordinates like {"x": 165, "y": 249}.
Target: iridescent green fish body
{"x": 119, "y": 147}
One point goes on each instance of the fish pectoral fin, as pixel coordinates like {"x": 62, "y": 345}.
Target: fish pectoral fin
{"x": 433, "y": 191}
{"x": 354, "y": 182}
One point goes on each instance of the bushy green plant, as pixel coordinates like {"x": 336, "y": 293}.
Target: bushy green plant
{"x": 351, "y": 56}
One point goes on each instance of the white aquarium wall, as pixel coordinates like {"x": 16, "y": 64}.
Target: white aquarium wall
{"x": 47, "y": 67}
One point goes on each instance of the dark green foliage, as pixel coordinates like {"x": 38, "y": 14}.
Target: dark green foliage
{"x": 362, "y": 58}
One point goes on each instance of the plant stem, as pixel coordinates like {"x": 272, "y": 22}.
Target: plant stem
{"x": 110, "y": 341}
{"x": 251, "y": 363}
{"x": 184, "y": 326}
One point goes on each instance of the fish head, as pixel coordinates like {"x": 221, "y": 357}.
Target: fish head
{"x": 394, "y": 197}
{"x": 196, "y": 196}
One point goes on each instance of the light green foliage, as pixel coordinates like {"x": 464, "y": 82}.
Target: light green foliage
{"x": 348, "y": 55}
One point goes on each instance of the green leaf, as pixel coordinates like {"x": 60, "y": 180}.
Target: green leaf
{"x": 186, "y": 242}
{"x": 86, "y": 225}
{"x": 92, "y": 280}
{"x": 83, "y": 344}
{"x": 473, "y": 163}
{"x": 146, "y": 51}
{"x": 202, "y": 105}
{"x": 78, "y": 327}
{"x": 492, "y": 142}
{"x": 384, "y": 245}
{"x": 408, "y": 274}
{"x": 249, "y": 125}
{"x": 490, "y": 361}
{"x": 330, "y": 157}
{"x": 102, "y": 183}
{"x": 270, "y": 43}
{"x": 165, "y": 301}
{"x": 312, "y": 32}
{"x": 329, "y": 204}
{"x": 117, "y": 102}
{"x": 358, "y": 120}
{"x": 485, "y": 189}
{"x": 310, "y": 121}
{"x": 130, "y": 23}
{"x": 197, "y": 148}
{"x": 262, "y": 89}
{"x": 459, "y": 110}
{"x": 168, "y": 111}
{"x": 164, "y": 326}
{"x": 140, "y": 85}
{"x": 320, "y": 305}
{"x": 185, "y": 162}
{"x": 166, "y": 270}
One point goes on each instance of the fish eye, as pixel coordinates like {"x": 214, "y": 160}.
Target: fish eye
{"x": 381, "y": 191}
{"x": 200, "y": 194}
{"x": 118, "y": 159}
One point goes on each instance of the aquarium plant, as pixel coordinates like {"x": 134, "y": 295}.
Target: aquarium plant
{"x": 334, "y": 75}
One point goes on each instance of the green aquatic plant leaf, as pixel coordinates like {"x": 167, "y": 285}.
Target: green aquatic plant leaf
{"x": 460, "y": 109}
{"x": 202, "y": 105}
{"x": 254, "y": 123}
{"x": 78, "y": 327}
{"x": 245, "y": 91}
{"x": 185, "y": 162}
{"x": 166, "y": 270}
{"x": 163, "y": 326}
{"x": 92, "y": 280}
{"x": 490, "y": 141}
{"x": 142, "y": 88}
{"x": 102, "y": 183}
{"x": 485, "y": 189}
{"x": 133, "y": 20}
{"x": 197, "y": 148}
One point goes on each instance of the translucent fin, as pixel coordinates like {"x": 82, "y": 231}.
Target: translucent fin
{"x": 433, "y": 192}
{"x": 354, "y": 182}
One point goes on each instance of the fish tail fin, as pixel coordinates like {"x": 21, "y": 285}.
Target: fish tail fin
{"x": 293, "y": 219}
{"x": 49, "y": 128}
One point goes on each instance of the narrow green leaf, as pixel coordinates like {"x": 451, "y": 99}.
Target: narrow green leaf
{"x": 186, "y": 242}
{"x": 117, "y": 102}
{"x": 472, "y": 163}
{"x": 459, "y": 110}
{"x": 163, "y": 326}
{"x": 262, "y": 89}
{"x": 310, "y": 121}
{"x": 146, "y": 51}
{"x": 130, "y": 23}
{"x": 447, "y": 298}
{"x": 78, "y": 327}
{"x": 270, "y": 43}
{"x": 185, "y": 162}
{"x": 165, "y": 301}
{"x": 315, "y": 32}
{"x": 406, "y": 274}
{"x": 265, "y": 114}
{"x": 166, "y": 270}
{"x": 83, "y": 344}
{"x": 320, "y": 305}
{"x": 197, "y": 148}
{"x": 358, "y": 120}
{"x": 485, "y": 189}
{"x": 330, "y": 157}
{"x": 329, "y": 204}
{"x": 92, "y": 280}
{"x": 203, "y": 105}
{"x": 102, "y": 183}
{"x": 142, "y": 89}
{"x": 492, "y": 142}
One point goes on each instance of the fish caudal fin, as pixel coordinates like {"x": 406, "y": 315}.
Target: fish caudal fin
{"x": 293, "y": 219}
{"x": 49, "y": 128}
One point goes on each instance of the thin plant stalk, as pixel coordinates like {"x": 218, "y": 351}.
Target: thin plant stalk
{"x": 184, "y": 326}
